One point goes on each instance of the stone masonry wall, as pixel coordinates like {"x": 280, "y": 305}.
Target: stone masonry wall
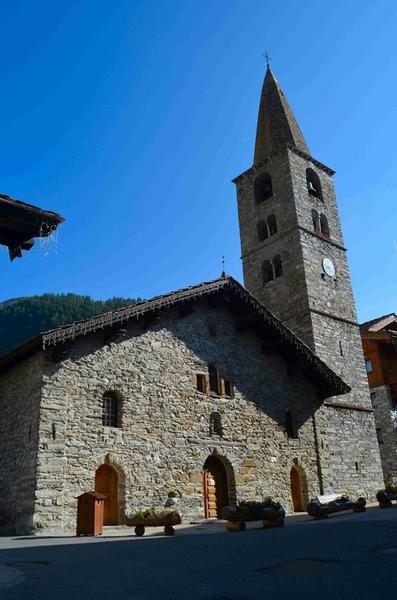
{"x": 386, "y": 422}
{"x": 20, "y": 391}
{"x": 164, "y": 439}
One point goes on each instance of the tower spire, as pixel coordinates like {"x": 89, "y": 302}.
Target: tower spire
{"x": 277, "y": 125}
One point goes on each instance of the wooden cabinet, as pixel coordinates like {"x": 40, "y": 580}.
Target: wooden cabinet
{"x": 90, "y": 513}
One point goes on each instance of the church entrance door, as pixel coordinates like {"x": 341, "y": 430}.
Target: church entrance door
{"x": 107, "y": 483}
{"x": 215, "y": 487}
{"x": 296, "y": 490}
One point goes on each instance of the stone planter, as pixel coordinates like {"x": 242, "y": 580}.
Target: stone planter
{"x": 141, "y": 524}
{"x": 237, "y": 517}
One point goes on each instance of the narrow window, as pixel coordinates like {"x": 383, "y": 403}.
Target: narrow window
{"x": 356, "y": 463}
{"x": 53, "y": 431}
{"x": 340, "y": 348}
{"x": 30, "y": 433}
{"x": 267, "y": 271}
{"x": 228, "y": 388}
{"x": 278, "y": 267}
{"x": 201, "y": 382}
{"x": 368, "y": 365}
{"x": 313, "y": 184}
{"x": 290, "y": 425}
{"x": 316, "y": 221}
{"x": 373, "y": 398}
{"x": 272, "y": 225}
{"x": 379, "y": 436}
{"x": 213, "y": 379}
{"x": 211, "y": 328}
{"x": 263, "y": 233}
{"x": 110, "y": 410}
{"x": 263, "y": 188}
{"x": 324, "y": 226}
{"x": 215, "y": 424}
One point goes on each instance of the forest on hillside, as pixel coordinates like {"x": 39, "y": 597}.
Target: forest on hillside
{"x": 23, "y": 318}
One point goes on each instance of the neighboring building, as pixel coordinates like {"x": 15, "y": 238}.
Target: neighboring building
{"x": 20, "y": 223}
{"x": 294, "y": 262}
{"x": 204, "y": 392}
{"x": 379, "y": 338}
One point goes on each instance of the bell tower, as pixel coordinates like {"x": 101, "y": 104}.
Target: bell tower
{"x": 294, "y": 262}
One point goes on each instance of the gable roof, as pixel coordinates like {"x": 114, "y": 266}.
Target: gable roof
{"x": 226, "y": 291}
{"x": 379, "y": 323}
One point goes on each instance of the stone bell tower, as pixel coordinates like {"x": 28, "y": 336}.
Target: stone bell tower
{"x": 294, "y": 262}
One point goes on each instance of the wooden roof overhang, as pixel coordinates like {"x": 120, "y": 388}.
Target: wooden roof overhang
{"x": 21, "y": 222}
{"x": 226, "y": 291}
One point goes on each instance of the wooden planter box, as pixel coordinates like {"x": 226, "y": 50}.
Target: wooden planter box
{"x": 237, "y": 518}
{"x": 168, "y": 524}
{"x": 317, "y": 510}
{"x": 385, "y": 498}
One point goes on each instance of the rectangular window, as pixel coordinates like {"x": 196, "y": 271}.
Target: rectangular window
{"x": 228, "y": 388}
{"x": 213, "y": 379}
{"x": 379, "y": 436}
{"x": 201, "y": 382}
{"x": 368, "y": 365}
{"x": 290, "y": 428}
{"x": 373, "y": 398}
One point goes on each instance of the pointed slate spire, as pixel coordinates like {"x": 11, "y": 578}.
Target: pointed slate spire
{"x": 277, "y": 125}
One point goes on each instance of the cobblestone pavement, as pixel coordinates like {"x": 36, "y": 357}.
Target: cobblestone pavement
{"x": 346, "y": 556}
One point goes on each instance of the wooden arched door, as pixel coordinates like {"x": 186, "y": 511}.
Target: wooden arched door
{"x": 107, "y": 484}
{"x": 215, "y": 487}
{"x": 296, "y": 490}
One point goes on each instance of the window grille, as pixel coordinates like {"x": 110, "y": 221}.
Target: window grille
{"x": 110, "y": 410}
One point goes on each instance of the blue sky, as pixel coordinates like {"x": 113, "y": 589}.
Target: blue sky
{"x": 130, "y": 118}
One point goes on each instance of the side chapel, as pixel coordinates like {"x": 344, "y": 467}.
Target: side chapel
{"x": 216, "y": 392}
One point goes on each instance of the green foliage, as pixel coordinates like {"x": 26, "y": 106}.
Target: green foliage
{"x": 154, "y": 513}
{"x": 23, "y": 318}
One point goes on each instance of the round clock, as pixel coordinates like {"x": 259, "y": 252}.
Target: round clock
{"x": 328, "y": 267}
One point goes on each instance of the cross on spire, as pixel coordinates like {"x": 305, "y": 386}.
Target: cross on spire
{"x": 268, "y": 58}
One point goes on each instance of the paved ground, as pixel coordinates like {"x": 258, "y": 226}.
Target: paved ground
{"x": 348, "y": 556}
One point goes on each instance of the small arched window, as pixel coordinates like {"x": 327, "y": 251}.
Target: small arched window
{"x": 267, "y": 271}
{"x": 213, "y": 379}
{"x": 313, "y": 184}
{"x": 277, "y": 266}
{"x": 290, "y": 429}
{"x": 263, "y": 233}
{"x": 316, "y": 220}
{"x": 272, "y": 225}
{"x": 324, "y": 225}
{"x": 110, "y": 410}
{"x": 215, "y": 424}
{"x": 263, "y": 189}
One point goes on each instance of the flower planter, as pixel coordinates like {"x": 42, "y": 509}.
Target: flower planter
{"x": 141, "y": 524}
{"x": 317, "y": 510}
{"x": 238, "y": 516}
{"x": 385, "y": 498}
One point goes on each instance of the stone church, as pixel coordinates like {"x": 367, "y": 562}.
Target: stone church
{"x": 214, "y": 393}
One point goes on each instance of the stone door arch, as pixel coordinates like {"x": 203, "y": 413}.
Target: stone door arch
{"x": 298, "y": 489}
{"x": 107, "y": 483}
{"x": 215, "y": 487}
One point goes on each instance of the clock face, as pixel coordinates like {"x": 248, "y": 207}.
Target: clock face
{"x": 328, "y": 267}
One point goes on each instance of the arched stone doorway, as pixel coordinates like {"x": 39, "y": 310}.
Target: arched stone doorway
{"x": 298, "y": 489}
{"x": 215, "y": 487}
{"x": 107, "y": 483}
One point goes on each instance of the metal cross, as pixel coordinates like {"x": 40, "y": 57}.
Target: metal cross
{"x": 268, "y": 58}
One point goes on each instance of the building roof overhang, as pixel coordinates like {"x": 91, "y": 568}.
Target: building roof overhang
{"x": 21, "y": 222}
{"x": 226, "y": 292}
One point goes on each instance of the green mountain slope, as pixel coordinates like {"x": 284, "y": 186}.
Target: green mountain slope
{"x": 23, "y": 318}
